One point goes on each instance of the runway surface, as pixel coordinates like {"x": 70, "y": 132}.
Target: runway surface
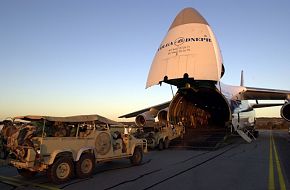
{"x": 263, "y": 164}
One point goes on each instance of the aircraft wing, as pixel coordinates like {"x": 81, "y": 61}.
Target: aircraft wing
{"x": 251, "y": 93}
{"x": 157, "y": 107}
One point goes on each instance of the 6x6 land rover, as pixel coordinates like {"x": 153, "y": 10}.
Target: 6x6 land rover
{"x": 68, "y": 146}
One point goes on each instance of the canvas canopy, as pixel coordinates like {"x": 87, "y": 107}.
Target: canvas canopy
{"x": 70, "y": 119}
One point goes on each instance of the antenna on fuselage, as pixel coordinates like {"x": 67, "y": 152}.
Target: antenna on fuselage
{"x": 242, "y": 78}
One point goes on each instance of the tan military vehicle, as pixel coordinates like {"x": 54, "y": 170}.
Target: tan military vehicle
{"x": 68, "y": 146}
{"x": 160, "y": 136}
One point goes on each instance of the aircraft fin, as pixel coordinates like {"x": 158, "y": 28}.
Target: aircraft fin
{"x": 242, "y": 78}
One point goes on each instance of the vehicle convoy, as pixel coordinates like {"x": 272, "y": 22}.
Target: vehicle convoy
{"x": 158, "y": 134}
{"x": 67, "y": 146}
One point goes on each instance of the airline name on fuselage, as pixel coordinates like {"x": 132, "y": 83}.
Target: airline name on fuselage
{"x": 179, "y": 41}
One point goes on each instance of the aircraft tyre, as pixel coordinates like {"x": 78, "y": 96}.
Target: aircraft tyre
{"x": 85, "y": 166}
{"x": 256, "y": 134}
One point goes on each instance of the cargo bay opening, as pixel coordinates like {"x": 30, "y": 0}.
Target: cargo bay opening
{"x": 203, "y": 111}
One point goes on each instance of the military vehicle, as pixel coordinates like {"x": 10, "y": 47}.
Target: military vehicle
{"x": 67, "y": 146}
{"x": 160, "y": 136}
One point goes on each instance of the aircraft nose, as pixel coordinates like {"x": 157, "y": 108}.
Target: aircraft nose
{"x": 186, "y": 16}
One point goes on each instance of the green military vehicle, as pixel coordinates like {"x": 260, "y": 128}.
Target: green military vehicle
{"x": 67, "y": 146}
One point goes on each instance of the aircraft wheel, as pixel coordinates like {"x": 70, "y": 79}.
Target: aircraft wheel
{"x": 26, "y": 173}
{"x": 137, "y": 157}
{"x": 85, "y": 166}
{"x": 160, "y": 145}
{"x": 61, "y": 170}
{"x": 256, "y": 134}
{"x": 166, "y": 143}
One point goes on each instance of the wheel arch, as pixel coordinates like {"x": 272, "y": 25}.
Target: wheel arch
{"x": 136, "y": 146}
{"x": 85, "y": 150}
{"x": 162, "y": 137}
{"x": 59, "y": 153}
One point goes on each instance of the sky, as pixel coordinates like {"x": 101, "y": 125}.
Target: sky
{"x": 71, "y": 57}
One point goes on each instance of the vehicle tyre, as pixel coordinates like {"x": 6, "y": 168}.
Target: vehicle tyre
{"x": 160, "y": 145}
{"x": 137, "y": 157}
{"x": 181, "y": 136}
{"x": 26, "y": 173}
{"x": 85, "y": 166}
{"x": 166, "y": 143}
{"x": 61, "y": 170}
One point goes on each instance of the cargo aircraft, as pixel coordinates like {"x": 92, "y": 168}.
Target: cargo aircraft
{"x": 189, "y": 58}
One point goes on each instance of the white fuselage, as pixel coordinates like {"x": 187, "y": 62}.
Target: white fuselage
{"x": 243, "y": 115}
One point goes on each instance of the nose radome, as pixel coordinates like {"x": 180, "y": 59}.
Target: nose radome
{"x": 186, "y": 16}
